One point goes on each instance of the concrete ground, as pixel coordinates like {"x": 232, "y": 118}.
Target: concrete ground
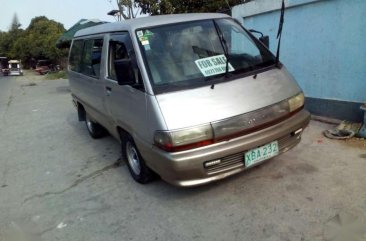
{"x": 56, "y": 183}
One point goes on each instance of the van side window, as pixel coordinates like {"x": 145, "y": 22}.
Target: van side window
{"x": 91, "y": 58}
{"x": 121, "y": 53}
{"x": 75, "y": 55}
{"x": 117, "y": 51}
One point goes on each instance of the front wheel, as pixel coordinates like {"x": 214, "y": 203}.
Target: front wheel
{"x": 136, "y": 164}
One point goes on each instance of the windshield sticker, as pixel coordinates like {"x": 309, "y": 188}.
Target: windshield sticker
{"x": 147, "y": 47}
{"x": 144, "y": 36}
{"x": 143, "y": 39}
{"x": 148, "y": 33}
{"x": 145, "y": 42}
{"x": 140, "y": 34}
{"x": 213, "y": 65}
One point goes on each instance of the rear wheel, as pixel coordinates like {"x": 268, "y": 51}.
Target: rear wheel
{"x": 136, "y": 164}
{"x": 95, "y": 130}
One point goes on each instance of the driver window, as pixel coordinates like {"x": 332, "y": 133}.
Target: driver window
{"x": 117, "y": 51}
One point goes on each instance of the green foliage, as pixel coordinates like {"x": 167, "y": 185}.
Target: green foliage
{"x": 36, "y": 42}
{"x": 57, "y": 75}
{"x": 127, "y": 8}
{"x": 155, "y": 7}
{"x": 41, "y": 37}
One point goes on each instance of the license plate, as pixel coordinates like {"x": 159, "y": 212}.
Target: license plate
{"x": 261, "y": 153}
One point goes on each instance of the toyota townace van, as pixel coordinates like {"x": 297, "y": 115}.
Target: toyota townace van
{"x": 192, "y": 98}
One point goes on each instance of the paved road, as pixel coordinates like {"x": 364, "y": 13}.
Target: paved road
{"x": 56, "y": 183}
{"x": 6, "y": 86}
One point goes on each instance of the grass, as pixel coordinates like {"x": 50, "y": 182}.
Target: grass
{"x": 57, "y": 75}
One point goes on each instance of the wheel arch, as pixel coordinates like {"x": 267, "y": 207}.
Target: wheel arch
{"x": 81, "y": 111}
{"x": 122, "y": 132}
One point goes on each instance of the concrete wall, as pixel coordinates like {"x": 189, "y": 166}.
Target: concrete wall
{"x": 323, "y": 46}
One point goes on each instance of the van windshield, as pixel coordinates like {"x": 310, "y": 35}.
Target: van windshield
{"x": 188, "y": 54}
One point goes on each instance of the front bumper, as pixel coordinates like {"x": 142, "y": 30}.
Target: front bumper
{"x": 187, "y": 168}
{"x": 15, "y": 73}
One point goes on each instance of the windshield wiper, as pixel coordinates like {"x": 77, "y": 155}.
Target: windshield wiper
{"x": 226, "y": 55}
{"x": 226, "y": 51}
{"x": 279, "y": 34}
{"x": 225, "y": 47}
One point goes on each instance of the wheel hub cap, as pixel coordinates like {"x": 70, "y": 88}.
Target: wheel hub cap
{"x": 89, "y": 124}
{"x": 133, "y": 159}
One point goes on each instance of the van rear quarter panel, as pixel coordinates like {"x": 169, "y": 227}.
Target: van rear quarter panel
{"x": 90, "y": 91}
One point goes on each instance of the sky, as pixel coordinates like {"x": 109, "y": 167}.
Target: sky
{"x": 67, "y": 12}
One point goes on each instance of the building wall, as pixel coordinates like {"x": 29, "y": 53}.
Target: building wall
{"x": 323, "y": 46}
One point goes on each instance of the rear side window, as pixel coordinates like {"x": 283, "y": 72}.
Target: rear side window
{"x": 75, "y": 55}
{"x": 91, "y": 57}
{"x": 86, "y": 57}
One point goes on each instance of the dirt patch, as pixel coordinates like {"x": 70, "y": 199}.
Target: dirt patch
{"x": 9, "y": 101}
{"x": 63, "y": 89}
{"x": 277, "y": 176}
{"x": 76, "y": 182}
{"x": 301, "y": 168}
{"x": 355, "y": 142}
{"x": 29, "y": 84}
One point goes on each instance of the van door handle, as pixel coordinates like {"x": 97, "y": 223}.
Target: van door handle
{"x": 109, "y": 90}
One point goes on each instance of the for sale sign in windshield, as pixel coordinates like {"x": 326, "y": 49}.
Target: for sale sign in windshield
{"x": 213, "y": 65}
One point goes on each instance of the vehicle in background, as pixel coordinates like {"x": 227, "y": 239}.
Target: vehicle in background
{"x": 4, "y": 66}
{"x": 46, "y": 66}
{"x": 15, "y": 67}
{"x": 42, "y": 66}
{"x": 193, "y": 97}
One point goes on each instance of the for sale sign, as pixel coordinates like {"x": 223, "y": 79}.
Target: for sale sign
{"x": 213, "y": 65}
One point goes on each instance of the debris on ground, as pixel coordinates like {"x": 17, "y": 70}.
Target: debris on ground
{"x": 362, "y": 132}
{"x": 348, "y": 132}
{"x": 356, "y": 142}
{"x": 339, "y": 134}
{"x": 345, "y": 130}
{"x": 29, "y": 84}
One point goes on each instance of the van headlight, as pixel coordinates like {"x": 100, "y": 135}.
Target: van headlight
{"x": 296, "y": 102}
{"x": 180, "y": 140}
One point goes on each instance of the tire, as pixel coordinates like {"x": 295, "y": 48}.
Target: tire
{"x": 95, "y": 130}
{"x": 136, "y": 164}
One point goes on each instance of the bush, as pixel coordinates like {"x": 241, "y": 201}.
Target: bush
{"x": 57, "y": 75}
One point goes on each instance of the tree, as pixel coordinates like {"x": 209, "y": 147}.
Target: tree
{"x": 7, "y": 39}
{"x": 15, "y": 25}
{"x": 131, "y": 8}
{"x": 128, "y": 8}
{"x": 36, "y": 42}
{"x": 40, "y": 38}
{"x": 156, "y": 7}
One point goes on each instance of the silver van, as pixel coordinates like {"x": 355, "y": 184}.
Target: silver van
{"x": 192, "y": 98}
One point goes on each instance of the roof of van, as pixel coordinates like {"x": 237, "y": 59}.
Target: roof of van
{"x": 143, "y": 22}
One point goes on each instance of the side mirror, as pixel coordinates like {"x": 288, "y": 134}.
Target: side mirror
{"x": 124, "y": 72}
{"x": 264, "y": 38}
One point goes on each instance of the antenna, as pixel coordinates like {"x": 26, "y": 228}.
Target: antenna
{"x": 279, "y": 34}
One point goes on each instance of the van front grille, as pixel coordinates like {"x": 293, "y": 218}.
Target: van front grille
{"x": 237, "y": 160}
